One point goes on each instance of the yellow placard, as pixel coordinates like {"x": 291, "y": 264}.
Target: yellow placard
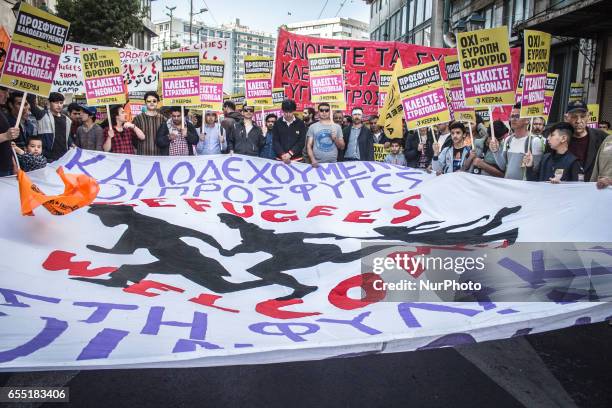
{"x": 537, "y": 55}
{"x": 391, "y": 113}
{"x": 486, "y": 68}
{"x": 33, "y": 54}
{"x": 549, "y": 93}
{"x": 459, "y": 111}
{"x": 380, "y": 152}
{"x": 423, "y": 94}
{"x": 258, "y": 80}
{"x": 593, "y": 119}
{"x": 211, "y": 84}
{"x": 326, "y": 78}
{"x": 180, "y": 78}
{"x": 103, "y": 77}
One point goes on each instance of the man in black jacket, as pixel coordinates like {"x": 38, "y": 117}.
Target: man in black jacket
{"x": 358, "y": 140}
{"x": 289, "y": 134}
{"x": 175, "y": 140}
{"x": 246, "y": 137}
{"x": 586, "y": 141}
{"x": 418, "y": 148}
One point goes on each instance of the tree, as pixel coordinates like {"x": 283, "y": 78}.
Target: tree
{"x": 102, "y": 22}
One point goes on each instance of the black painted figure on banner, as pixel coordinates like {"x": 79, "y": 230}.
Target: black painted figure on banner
{"x": 430, "y": 233}
{"x": 289, "y": 251}
{"x": 163, "y": 240}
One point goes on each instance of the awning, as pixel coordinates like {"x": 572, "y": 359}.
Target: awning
{"x": 581, "y": 19}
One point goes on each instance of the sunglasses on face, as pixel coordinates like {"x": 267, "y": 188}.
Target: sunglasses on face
{"x": 323, "y": 110}
{"x": 151, "y": 101}
{"x": 515, "y": 116}
{"x": 248, "y": 110}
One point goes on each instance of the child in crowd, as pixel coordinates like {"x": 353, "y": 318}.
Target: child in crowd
{"x": 395, "y": 156}
{"x": 558, "y": 165}
{"x": 32, "y": 158}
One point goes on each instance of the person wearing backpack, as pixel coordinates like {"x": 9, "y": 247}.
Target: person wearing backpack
{"x": 560, "y": 164}
{"x": 510, "y": 157}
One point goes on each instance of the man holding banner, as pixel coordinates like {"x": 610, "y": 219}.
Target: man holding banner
{"x": 358, "y": 140}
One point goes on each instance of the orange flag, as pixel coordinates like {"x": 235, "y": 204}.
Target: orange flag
{"x": 80, "y": 190}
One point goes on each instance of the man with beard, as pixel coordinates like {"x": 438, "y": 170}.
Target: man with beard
{"x": 358, "y": 140}
{"x": 517, "y": 149}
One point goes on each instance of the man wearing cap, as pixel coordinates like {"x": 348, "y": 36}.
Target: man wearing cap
{"x": 89, "y": 135}
{"x": 358, "y": 140}
{"x": 53, "y": 126}
{"x": 586, "y": 141}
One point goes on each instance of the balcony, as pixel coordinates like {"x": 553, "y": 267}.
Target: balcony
{"x": 583, "y": 19}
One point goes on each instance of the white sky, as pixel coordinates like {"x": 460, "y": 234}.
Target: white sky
{"x": 263, "y": 15}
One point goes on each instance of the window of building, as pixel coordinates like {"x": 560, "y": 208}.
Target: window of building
{"x": 411, "y": 15}
{"x": 489, "y": 14}
{"x": 419, "y": 12}
{"x": 520, "y": 11}
{"x": 380, "y": 4}
{"x": 428, "y": 9}
{"x": 404, "y": 19}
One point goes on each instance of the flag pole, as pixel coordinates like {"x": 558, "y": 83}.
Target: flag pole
{"x": 433, "y": 133}
{"x": 21, "y": 106}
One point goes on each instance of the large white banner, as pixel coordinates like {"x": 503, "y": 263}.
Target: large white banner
{"x": 140, "y": 67}
{"x": 219, "y": 260}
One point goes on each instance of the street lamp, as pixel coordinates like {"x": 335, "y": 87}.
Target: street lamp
{"x": 171, "y": 10}
{"x": 191, "y": 14}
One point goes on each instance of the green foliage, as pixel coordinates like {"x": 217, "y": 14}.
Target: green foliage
{"x": 102, "y": 22}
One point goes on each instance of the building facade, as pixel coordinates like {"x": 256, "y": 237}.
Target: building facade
{"x": 582, "y": 35}
{"x": 242, "y": 41}
{"x": 247, "y": 42}
{"x": 337, "y": 27}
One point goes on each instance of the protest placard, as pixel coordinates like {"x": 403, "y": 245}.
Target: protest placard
{"x": 593, "y": 115}
{"x": 519, "y": 87}
{"x": 458, "y": 109}
{"x": 486, "y": 68}
{"x": 423, "y": 94}
{"x": 180, "y": 78}
{"x": 576, "y": 91}
{"x": 34, "y": 51}
{"x": 537, "y": 54}
{"x": 391, "y": 113}
{"x": 278, "y": 96}
{"x": 326, "y": 78}
{"x": 5, "y": 40}
{"x": 380, "y": 152}
{"x": 258, "y": 80}
{"x": 103, "y": 77}
{"x": 384, "y": 82}
{"x": 211, "y": 84}
{"x": 549, "y": 93}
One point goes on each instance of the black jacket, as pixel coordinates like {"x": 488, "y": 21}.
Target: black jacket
{"x": 383, "y": 138}
{"x": 411, "y": 149}
{"x": 163, "y": 139}
{"x": 596, "y": 138}
{"x": 229, "y": 121}
{"x": 365, "y": 142}
{"x": 241, "y": 143}
{"x": 551, "y": 162}
{"x": 289, "y": 139}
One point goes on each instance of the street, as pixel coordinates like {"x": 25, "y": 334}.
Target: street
{"x": 569, "y": 367}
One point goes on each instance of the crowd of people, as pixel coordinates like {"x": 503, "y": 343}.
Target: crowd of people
{"x": 522, "y": 149}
